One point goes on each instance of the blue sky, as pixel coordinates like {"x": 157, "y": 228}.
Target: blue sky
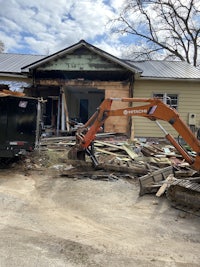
{"x": 44, "y": 27}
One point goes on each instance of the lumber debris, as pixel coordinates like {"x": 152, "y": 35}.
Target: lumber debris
{"x": 165, "y": 185}
{"x": 124, "y": 169}
{"x": 5, "y": 92}
{"x": 109, "y": 152}
{"x": 151, "y": 164}
{"x": 132, "y": 154}
{"x": 151, "y": 182}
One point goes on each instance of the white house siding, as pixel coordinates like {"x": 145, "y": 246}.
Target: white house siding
{"x": 188, "y": 102}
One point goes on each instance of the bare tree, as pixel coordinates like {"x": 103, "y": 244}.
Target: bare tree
{"x": 170, "y": 28}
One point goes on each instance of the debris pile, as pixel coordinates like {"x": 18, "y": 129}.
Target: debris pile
{"x": 138, "y": 157}
{"x": 155, "y": 166}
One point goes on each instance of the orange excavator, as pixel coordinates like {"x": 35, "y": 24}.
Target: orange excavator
{"x": 153, "y": 109}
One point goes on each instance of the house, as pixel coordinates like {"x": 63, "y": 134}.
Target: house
{"x": 10, "y": 70}
{"x": 75, "y": 80}
{"x": 177, "y": 83}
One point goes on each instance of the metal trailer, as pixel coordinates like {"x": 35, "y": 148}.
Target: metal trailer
{"x": 20, "y": 119}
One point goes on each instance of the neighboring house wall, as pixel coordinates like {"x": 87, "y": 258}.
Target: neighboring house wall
{"x": 10, "y": 70}
{"x": 188, "y": 102}
{"x": 4, "y": 78}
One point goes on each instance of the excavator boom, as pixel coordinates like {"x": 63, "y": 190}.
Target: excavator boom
{"x": 152, "y": 109}
{"x": 185, "y": 194}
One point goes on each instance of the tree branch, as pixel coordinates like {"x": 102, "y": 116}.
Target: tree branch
{"x": 174, "y": 29}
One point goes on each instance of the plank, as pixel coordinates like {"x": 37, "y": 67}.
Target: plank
{"x": 165, "y": 185}
{"x": 108, "y": 152}
{"x": 108, "y": 144}
{"x": 129, "y": 151}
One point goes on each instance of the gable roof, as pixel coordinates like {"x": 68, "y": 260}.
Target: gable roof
{"x": 166, "y": 69}
{"x": 90, "y": 47}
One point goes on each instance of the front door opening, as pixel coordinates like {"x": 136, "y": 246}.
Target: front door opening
{"x": 82, "y": 102}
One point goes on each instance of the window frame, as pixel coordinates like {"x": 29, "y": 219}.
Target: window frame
{"x": 165, "y": 98}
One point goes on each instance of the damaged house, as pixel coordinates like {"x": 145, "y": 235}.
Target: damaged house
{"x": 75, "y": 80}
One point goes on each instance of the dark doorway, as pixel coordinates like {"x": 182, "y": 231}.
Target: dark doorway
{"x": 83, "y": 110}
{"x": 50, "y": 112}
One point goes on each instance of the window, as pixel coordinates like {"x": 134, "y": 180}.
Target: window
{"x": 169, "y": 99}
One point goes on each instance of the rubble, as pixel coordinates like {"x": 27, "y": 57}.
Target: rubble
{"x": 151, "y": 182}
{"x": 152, "y": 164}
{"x": 119, "y": 154}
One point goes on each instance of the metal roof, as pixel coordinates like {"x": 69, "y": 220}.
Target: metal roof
{"x": 12, "y": 63}
{"x": 20, "y": 63}
{"x": 166, "y": 69}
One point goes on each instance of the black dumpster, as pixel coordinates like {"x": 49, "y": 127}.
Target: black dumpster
{"x": 19, "y": 122}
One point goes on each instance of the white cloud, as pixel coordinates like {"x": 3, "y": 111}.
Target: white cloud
{"x": 10, "y": 41}
{"x": 113, "y": 47}
{"x": 40, "y": 26}
{"x": 117, "y": 5}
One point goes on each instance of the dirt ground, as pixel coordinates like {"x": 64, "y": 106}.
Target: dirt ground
{"x": 48, "y": 220}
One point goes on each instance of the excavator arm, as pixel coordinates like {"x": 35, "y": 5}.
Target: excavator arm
{"x": 153, "y": 109}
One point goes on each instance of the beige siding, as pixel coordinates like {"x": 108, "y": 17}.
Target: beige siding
{"x": 188, "y": 102}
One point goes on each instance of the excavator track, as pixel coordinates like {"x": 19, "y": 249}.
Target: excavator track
{"x": 185, "y": 195}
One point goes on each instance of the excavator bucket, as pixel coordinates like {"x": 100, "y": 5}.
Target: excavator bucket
{"x": 76, "y": 153}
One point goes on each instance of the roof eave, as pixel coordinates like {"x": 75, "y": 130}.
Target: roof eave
{"x": 169, "y": 79}
{"x": 13, "y": 75}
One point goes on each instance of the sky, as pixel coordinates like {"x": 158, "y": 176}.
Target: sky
{"x": 43, "y": 27}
